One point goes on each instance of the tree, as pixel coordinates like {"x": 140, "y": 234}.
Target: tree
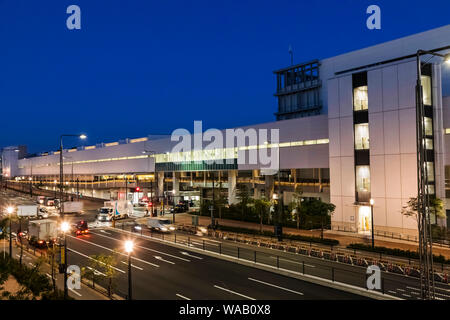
{"x": 261, "y": 208}
{"x": 105, "y": 266}
{"x": 295, "y": 205}
{"x": 318, "y": 208}
{"x": 436, "y": 207}
{"x": 243, "y": 195}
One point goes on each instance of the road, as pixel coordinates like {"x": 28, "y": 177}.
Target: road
{"x": 400, "y": 286}
{"x": 165, "y": 272}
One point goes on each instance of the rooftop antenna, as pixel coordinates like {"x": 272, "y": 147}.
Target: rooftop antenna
{"x": 291, "y": 53}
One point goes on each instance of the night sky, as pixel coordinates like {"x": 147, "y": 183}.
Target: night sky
{"x": 148, "y": 67}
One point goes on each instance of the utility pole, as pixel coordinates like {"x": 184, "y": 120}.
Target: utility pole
{"x": 423, "y": 198}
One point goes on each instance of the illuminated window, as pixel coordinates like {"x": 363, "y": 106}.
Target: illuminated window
{"x": 362, "y": 136}
{"x": 430, "y": 171}
{"x": 426, "y": 89}
{"x": 428, "y": 144}
{"x": 360, "y": 98}
{"x": 428, "y": 124}
{"x": 362, "y": 179}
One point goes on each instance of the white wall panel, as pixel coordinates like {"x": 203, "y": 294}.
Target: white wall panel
{"x": 390, "y": 88}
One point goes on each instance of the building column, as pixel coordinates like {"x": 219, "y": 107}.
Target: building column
{"x": 232, "y": 178}
{"x": 269, "y": 186}
{"x": 176, "y": 186}
{"x": 160, "y": 188}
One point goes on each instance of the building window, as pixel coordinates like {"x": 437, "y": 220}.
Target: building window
{"x": 362, "y": 178}
{"x": 362, "y": 136}
{"x": 428, "y": 124}
{"x": 426, "y": 89}
{"x": 430, "y": 171}
{"x": 360, "y": 98}
{"x": 428, "y": 144}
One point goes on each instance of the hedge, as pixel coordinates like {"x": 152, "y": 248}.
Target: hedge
{"x": 395, "y": 252}
{"x": 330, "y": 242}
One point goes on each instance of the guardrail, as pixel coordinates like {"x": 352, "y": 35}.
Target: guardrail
{"x": 387, "y": 263}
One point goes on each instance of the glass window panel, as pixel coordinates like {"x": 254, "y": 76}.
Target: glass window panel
{"x": 428, "y": 123}
{"x": 428, "y": 144}
{"x": 362, "y": 136}
{"x": 426, "y": 89}
{"x": 360, "y": 98}
{"x": 430, "y": 171}
{"x": 363, "y": 178}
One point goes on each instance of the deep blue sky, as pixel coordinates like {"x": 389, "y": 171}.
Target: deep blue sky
{"x": 141, "y": 67}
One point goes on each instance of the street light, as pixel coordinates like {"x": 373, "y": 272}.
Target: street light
{"x": 371, "y": 219}
{"x": 61, "y": 166}
{"x": 10, "y": 210}
{"x": 65, "y": 228}
{"x": 128, "y": 249}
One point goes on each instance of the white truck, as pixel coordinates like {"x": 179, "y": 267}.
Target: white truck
{"x": 160, "y": 224}
{"x": 32, "y": 211}
{"x": 42, "y": 232}
{"x": 73, "y": 206}
{"x": 113, "y": 210}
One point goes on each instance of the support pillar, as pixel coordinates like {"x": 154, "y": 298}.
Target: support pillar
{"x": 232, "y": 178}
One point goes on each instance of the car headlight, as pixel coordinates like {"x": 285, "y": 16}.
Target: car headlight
{"x": 138, "y": 227}
{"x": 204, "y": 230}
{"x": 172, "y": 228}
{"x": 164, "y": 229}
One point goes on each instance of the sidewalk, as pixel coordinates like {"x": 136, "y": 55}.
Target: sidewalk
{"x": 84, "y": 293}
{"x": 344, "y": 239}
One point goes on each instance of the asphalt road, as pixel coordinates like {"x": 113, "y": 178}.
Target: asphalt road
{"x": 401, "y": 286}
{"x": 163, "y": 272}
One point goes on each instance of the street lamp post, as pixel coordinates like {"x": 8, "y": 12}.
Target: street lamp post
{"x": 10, "y": 211}
{"x": 61, "y": 166}
{"x": 423, "y": 198}
{"x": 64, "y": 228}
{"x": 129, "y": 248}
{"x": 371, "y": 219}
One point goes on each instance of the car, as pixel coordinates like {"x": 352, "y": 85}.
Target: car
{"x": 80, "y": 228}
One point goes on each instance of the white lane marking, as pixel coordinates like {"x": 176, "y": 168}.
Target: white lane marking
{"x": 401, "y": 290}
{"x": 417, "y": 289}
{"x": 160, "y": 258}
{"x": 406, "y": 295}
{"x": 83, "y": 255}
{"x": 167, "y": 254}
{"x": 291, "y": 261}
{"x": 75, "y": 292}
{"x": 236, "y": 293}
{"x": 132, "y": 265}
{"x": 275, "y": 286}
{"x": 182, "y": 297}
{"x": 101, "y": 230}
{"x": 437, "y": 293}
{"x": 96, "y": 272}
{"x": 123, "y": 254}
{"x": 416, "y": 293}
{"x": 390, "y": 291}
{"x": 190, "y": 255}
